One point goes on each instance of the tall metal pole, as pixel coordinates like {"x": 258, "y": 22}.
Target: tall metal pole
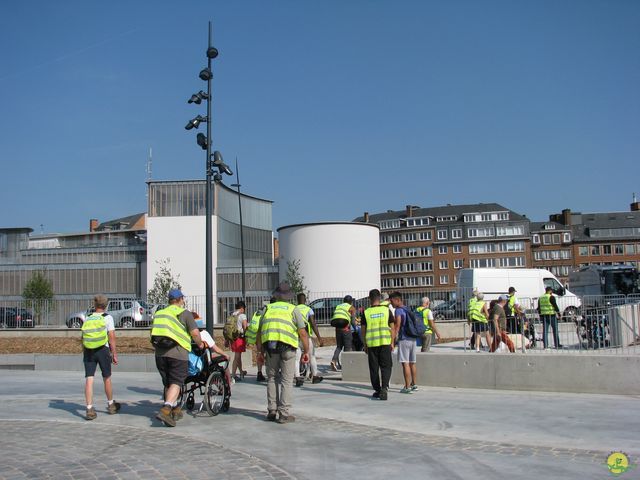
{"x": 208, "y": 201}
{"x": 241, "y": 231}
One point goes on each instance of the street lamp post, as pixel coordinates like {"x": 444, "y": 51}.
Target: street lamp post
{"x": 204, "y": 141}
{"x": 237, "y": 185}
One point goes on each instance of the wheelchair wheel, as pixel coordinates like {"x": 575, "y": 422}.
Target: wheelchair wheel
{"x": 215, "y": 393}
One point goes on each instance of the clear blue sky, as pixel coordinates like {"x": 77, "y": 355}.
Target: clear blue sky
{"x": 332, "y": 107}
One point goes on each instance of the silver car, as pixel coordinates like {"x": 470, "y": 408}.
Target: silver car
{"x": 126, "y": 313}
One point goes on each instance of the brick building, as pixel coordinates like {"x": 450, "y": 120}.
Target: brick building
{"x": 552, "y": 248}
{"x": 426, "y": 247}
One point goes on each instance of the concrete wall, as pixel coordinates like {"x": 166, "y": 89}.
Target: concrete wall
{"x": 614, "y": 374}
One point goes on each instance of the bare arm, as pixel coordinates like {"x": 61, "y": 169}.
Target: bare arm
{"x": 195, "y": 334}
{"x": 112, "y": 346}
{"x": 304, "y": 337}
{"x": 314, "y": 327}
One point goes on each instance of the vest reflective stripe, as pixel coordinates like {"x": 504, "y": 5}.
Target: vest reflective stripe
{"x": 342, "y": 311}
{"x": 278, "y": 326}
{"x": 94, "y": 331}
{"x": 425, "y": 318}
{"x": 476, "y": 312}
{"x": 378, "y": 330}
{"x": 252, "y": 329}
{"x": 304, "y": 310}
{"x": 544, "y": 302}
{"x": 470, "y": 305}
{"x": 167, "y": 324}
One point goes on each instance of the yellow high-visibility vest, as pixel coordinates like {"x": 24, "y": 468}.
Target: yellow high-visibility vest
{"x": 94, "y": 331}
{"x": 544, "y": 302}
{"x": 378, "y": 331}
{"x": 277, "y": 324}
{"x": 167, "y": 324}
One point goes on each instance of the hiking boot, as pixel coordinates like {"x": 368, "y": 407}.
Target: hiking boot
{"x": 113, "y": 408}
{"x": 237, "y": 378}
{"x": 334, "y": 367}
{"x": 260, "y": 377}
{"x": 164, "y": 415}
{"x": 299, "y": 381}
{"x": 376, "y": 394}
{"x": 383, "y": 394}
{"x": 286, "y": 419}
{"x": 91, "y": 413}
{"x": 271, "y": 416}
{"x": 405, "y": 390}
{"x": 177, "y": 413}
{"x": 315, "y": 380}
{"x": 414, "y": 387}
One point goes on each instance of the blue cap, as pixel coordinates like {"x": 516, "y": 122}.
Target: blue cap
{"x": 174, "y": 294}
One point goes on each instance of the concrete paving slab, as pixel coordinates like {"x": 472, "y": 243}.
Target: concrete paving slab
{"x": 339, "y": 432}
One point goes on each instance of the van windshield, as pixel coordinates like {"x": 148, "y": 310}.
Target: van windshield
{"x": 555, "y": 286}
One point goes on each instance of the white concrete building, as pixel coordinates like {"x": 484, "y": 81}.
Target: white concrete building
{"x": 336, "y": 258}
{"x": 176, "y": 232}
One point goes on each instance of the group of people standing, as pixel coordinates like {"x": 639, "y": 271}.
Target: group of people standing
{"x": 503, "y": 317}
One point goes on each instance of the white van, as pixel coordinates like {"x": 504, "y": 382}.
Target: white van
{"x": 530, "y": 284}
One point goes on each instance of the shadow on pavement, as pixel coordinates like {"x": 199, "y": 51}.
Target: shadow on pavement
{"x": 71, "y": 407}
{"x": 147, "y": 391}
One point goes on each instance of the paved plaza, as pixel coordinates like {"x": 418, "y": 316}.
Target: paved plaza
{"x": 339, "y": 433}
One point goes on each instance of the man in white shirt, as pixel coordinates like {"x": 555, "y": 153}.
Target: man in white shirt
{"x": 99, "y": 348}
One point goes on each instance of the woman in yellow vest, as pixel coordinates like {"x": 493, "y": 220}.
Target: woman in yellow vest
{"x": 479, "y": 318}
{"x": 548, "y": 310}
{"x": 344, "y": 312}
{"x": 99, "y": 348}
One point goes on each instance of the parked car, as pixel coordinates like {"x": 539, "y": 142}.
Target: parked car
{"x": 448, "y": 309}
{"x": 13, "y": 317}
{"x": 126, "y": 313}
{"x": 323, "y": 308}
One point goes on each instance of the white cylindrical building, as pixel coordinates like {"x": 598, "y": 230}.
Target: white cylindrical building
{"x": 335, "y": 258}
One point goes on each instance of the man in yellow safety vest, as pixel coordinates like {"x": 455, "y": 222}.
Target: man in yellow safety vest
{"x": 99, "y": 348}
{"x": 171, "y": 333}
{"x": 379, "y": 339}
{"x": 281, "y": 328}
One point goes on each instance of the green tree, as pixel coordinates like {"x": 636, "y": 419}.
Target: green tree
{"x": 294, "y": 278}
{"x": 162, "y": 283}
{"x": 38, "y": 294}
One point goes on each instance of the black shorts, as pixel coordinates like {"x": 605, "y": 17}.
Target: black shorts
{"x": 97, "y": 356}
{"x": 172, "y": 370}
{"x": 478, "y": 327}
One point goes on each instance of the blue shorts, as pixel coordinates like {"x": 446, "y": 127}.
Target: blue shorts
{"x": 479, "y": 327}
{"x": 97, "y": 356}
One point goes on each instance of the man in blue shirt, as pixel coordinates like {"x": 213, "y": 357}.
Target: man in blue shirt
{"x": 406, "y": 345}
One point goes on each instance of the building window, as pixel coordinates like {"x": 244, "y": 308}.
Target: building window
{"x": 536, "y": 239}
{"x": 411, "y": 267}
{"x": 412, "y": 252}
{"x": 385, "y": 268}
{"x": 482, "y": 263}
{"x": 425, "y": 235}
{"x": 442, "y": 249}
{"x": 556, "y": 238}
{"x": 389, "y": 224}
{"x": 618, "y": 249}
{"x": 459, "y": 263}
{"x": 479, "y": 248}
{"x": 396, "y": 238}
{"x": 510, "y": 231}
{"x": 506, "y": 262}
{"x": 566, "y": 237}
{"x": 512, "y": 247}
{"x": 444, "y": 279}
{"x": 457, "y": 248}
{"x": 595, "y": 249}
{"x": 411, "y": 282}
{"x": 629, "y": 249}
{"x": 396, "y": 268}
{"x": 606, "y": 249}
{"x": 410, "y": 237}
{"x": 546, "y": 239}
{"x": 397, "y": 282}
{"x": 426, "y": 281}
{"x": 386, "y": 283}
{"x": 384, "y": 254}
{"x": 426, "y": 252}
{"x": 426, "y": 266}
{"x": 442, "y": 234}
{"x": 583, "y": 250}
{"x": 477, "y": 232}
{"x": 447, "y": 218}
{"x": 456, "y": 233}
{"x": 443, "y": 264}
